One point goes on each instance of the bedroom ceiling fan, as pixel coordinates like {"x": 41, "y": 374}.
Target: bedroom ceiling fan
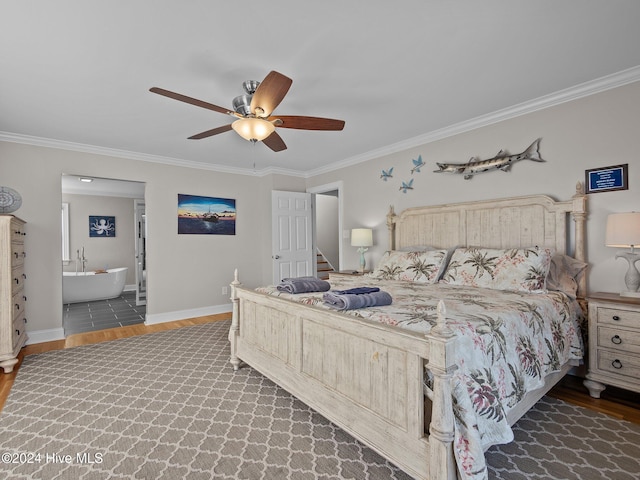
{"x": 253, "y": 112}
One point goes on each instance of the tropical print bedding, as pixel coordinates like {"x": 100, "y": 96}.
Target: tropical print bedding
{"x": 508, "y": 342}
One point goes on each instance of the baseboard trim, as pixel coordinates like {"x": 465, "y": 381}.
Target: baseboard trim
{"x": 42, "y": 336}
{"x": 53, "y": 334}
{"x": 184, "y": 314}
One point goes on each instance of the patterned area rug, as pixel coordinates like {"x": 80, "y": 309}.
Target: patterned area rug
{"x": 169, "y": 406}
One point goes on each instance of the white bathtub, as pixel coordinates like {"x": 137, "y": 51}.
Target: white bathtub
{"x": 89, "y": 286}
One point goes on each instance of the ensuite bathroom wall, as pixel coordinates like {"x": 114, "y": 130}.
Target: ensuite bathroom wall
{"x": 105, "y": 251}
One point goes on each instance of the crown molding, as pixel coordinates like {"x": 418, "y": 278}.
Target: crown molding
{"x": 586, "y": 89}
{"x": 592, "y": 87}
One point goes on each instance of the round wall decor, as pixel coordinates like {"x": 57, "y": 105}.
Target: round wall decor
{"x": 10, "y": 200}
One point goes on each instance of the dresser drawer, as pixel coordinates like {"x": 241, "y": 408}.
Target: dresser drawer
{"x": 627, "y": 341}
{"x": 17, "y": 231}
{"x": 19, "y": 330}
{"x": 615, "y": 316}
{"x": 619, "y": 363}
{"x": 19, "y": 325}
{"x": 18, "y": 302}
{"x": 17, "y": 279}
{"x": 17, "y": 254}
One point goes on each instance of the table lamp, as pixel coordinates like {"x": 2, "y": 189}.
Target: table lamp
{"x": 361, "y": 238}
{"x": 623, "y": 231}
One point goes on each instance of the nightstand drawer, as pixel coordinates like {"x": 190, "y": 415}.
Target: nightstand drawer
{"x": 623, "y": 318}
{"x": 614, "y": 338}
{"x": 619, "y": 364}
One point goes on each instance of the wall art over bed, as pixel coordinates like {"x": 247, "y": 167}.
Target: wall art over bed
{"x": 607, "y": 179}
{"x": 206, "y": 215}
{"x": 502, "y": 161}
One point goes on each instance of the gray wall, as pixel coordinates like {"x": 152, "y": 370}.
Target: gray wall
{"x": 187, "y": 272}
{"x": 591, "y": 132}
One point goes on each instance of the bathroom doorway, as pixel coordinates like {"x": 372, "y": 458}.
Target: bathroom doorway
{"x": 104, "y": 253}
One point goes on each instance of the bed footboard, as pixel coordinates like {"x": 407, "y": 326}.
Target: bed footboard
{"x": 365, "y": 377}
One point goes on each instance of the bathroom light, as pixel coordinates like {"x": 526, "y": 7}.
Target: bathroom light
{"x": 362, "y": 238}
{"x": 253, "y": 129}
{"x": 623, "y": 231}
{"x": 86, "y": 179}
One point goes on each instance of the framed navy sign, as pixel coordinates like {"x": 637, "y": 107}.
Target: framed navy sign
{"x": 607, "y": 179}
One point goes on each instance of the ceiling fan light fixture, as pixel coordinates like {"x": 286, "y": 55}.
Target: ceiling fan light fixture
{"x": 253, "y": 129}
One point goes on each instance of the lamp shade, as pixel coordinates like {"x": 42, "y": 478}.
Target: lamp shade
{"x": 361, "y": 237}
{"x": 623, "y": 230}
{"x": 255, "y": 129}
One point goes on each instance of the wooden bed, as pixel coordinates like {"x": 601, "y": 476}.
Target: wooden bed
{"x": 367, "y": 377}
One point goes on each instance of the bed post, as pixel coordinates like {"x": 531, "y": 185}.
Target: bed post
{"x": 441, "y": 363}
{"x": 391, "y": 226}
{"x": 579, "y": 214}
{"x": 235, "y": 321}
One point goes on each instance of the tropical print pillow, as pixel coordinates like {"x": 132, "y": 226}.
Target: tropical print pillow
{"x": 518, "y": 269}
{"x": 417, "y": 266}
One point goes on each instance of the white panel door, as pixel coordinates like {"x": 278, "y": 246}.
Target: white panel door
{"x": 292, "y": 243}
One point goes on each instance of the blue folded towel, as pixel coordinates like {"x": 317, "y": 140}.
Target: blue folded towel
{"x": 303, "y": 285}
{"x": 357, "y": 290}
{"x": 351, "y": 301}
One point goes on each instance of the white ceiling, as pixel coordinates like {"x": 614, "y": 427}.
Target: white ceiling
{"x": 76, "y": 74}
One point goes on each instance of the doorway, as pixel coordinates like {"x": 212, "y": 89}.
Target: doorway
{"x": 105, "y": 231}
{"x": 327, "y": 222}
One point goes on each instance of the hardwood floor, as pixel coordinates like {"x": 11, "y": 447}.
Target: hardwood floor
{"x": 618, "y": 403}
{"x": 615, "y": 402}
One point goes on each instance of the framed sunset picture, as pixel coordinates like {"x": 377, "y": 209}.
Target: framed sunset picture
{"x": 199, "y": 215}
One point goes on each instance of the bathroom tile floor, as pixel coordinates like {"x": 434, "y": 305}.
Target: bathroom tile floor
{"x": 101, "y": 314}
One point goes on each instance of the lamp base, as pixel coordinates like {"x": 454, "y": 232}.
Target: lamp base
{"x": 632, "y": 278}
{"x": 630, "y": 294}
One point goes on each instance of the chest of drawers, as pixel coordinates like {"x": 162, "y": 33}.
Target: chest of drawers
{"x": 13, "y": 300}
{"x": 614, "y": 343}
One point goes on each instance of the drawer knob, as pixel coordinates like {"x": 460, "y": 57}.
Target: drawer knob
{"x": 616, "y": 364}
{"x": 17, "y": 332}
{"x": 616, "y": 339}
{"x": 616, "y": 318}
{"x": 17, "y": 306}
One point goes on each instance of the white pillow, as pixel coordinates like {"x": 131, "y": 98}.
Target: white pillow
{"x": 421, "y": 266}
{"x": 518, "y": 269}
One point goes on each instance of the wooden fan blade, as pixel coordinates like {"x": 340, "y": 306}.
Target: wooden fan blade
{"x": 275, "y": 142}
{"x": 192, "y": 101}
{"x": 270, "y": 93}
{"x": 211, "y": 133}
{"x": 307, "y": 123}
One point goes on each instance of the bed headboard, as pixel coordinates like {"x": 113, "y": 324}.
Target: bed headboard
{"x": 502, "y": 223}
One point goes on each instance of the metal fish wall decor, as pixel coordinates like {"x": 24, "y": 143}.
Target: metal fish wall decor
{"x": 502, "y": 161}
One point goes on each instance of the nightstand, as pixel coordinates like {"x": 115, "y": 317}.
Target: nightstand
{"x": 350, "y": 273}
{"x": 614, "y": 343}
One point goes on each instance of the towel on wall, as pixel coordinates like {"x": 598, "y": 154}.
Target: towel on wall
{"x": 303, "y": 285}
{"x": 351, "y": 301}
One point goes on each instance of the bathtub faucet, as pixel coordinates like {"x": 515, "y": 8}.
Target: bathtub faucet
{"x": 84, "y": 261}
